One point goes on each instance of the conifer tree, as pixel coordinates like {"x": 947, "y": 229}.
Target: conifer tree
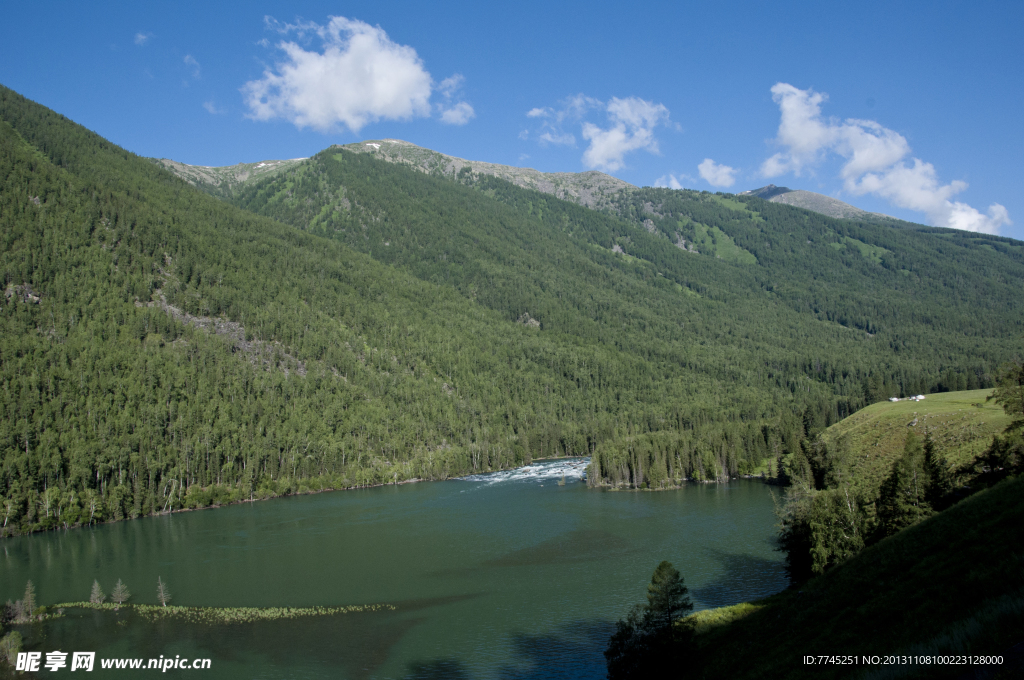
{"x": 162, "y": 593}
{"x": 644, "y": 641}
{"x": 29, "y": 601}
{"x": 97, "y": 596}
{"x": 667, "y": 596}
{"x": 1009, "y": 392}
{"x": 120, "y": 593}
{"x": 903, "y": 500}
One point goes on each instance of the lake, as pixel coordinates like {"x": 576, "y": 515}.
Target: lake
{"x": 508, "y": 575}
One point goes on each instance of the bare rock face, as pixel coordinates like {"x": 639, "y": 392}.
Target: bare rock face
{"x": 591, "y": 189}
{"x": 226, "y": 179}
{"x": 819, "y": 203}
{"x": 528, "y": 320}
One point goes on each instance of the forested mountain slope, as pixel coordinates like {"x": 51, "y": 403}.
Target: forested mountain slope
{"x": 745, "y": 312}
{"x": 162, "y": 348}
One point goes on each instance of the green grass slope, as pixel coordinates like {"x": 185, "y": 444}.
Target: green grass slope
{"x": 961, "y": 425}
{"x": 953, "y": 584}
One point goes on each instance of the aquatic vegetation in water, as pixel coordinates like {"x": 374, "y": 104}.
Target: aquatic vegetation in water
{"x": 228, "y": 615}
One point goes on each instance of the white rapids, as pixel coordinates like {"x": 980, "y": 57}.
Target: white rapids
{"x": 570, "y": 468}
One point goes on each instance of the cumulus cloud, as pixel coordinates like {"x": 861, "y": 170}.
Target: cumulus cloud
{"x": 458, "y": 114}
{"x": 452, "y": 112}
{"x": 717, "y": 175}
{"x": 360, "y": 76}
{"x": 629, "y": 126}
{"x": 917, "y": 187}
{"x": 142, "y": 38}
{"x": 632, "y": 127}
{"x": 554, "y": 120}
{"x": 876, "y": 162}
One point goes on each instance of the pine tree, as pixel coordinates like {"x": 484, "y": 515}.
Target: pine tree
{"x": 120, "y": 593}
{"x": 97, "y": 596}
{"x": 903, "y": 500}
{"x": 29, "y": 601}
{"x": 645, "y": 641}
{"x": 1009, "y": 392}
{"x": 162, "y": 593}
{"x": 667, "y": 596}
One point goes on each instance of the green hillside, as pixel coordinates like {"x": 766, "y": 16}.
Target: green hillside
{"x": 961, "y": 425}
{"x": 951, "y": 585}
{"x": 767, "y": 322}
{"x": 161, "y": 348}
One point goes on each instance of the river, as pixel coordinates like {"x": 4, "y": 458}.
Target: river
{"x": 508, "y": 575}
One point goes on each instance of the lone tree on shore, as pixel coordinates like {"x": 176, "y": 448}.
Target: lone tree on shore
{"x": 162, "y": 593}
{"x": 24, "y": 607}
{"x": 120, "y": 593}
{"x": 667, "y": 596}
{"x": 97, "y": 596}
{"x": 644, "y": 641}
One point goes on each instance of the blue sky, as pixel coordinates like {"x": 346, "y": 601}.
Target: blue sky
{"x": 912, "y": 109}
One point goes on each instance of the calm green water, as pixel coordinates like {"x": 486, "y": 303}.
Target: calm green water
{"x": 500, "y": 576}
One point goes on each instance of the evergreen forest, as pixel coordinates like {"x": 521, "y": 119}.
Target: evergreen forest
{"x": 350, "y": 321}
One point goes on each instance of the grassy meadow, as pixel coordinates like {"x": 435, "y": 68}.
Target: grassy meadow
{"x": 961, "y": 424}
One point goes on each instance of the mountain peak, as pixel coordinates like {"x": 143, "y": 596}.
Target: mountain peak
{"x": 819, "y": 203}
{"x": 591, "y": 189}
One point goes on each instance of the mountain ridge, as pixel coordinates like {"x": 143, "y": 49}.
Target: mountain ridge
{"x": 819, "y": 203}
{"x": 590, "y": 189}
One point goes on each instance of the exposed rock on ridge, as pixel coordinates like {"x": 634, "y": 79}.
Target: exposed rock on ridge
{"x": 819, "y": 203}
{"x": 592, "y": 189}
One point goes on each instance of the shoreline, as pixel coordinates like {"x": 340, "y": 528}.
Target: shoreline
{"x": 253, "y": 499}
{"x": 413, "y": 480}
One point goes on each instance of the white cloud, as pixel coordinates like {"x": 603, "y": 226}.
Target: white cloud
{"x": 196, "y": 68}
{"x": 361, "y": 76}
{"x": 558, "y": 139}
{"x": 916, "y": 187}
{"x": 459, "y": 114}
{"x": 668, "y": 181}
{"x": 142, "y": 38}
{"x": 632, "y": 127}
{"x": 717, "y": 175}
{"x": 212, "y": 108}
{"x": 876, "y": 162}
{"x": 450, "y": 85}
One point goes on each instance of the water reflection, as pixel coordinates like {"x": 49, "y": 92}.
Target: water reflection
{"x": 499, "y": 576}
